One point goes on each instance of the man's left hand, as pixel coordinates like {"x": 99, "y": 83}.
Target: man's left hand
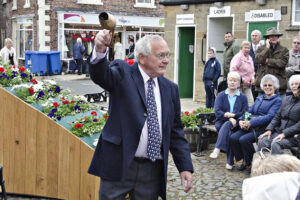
{"x": 186, "y": 180}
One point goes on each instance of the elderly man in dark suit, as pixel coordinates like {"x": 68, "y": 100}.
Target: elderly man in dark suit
{"x": 143, "y": 125}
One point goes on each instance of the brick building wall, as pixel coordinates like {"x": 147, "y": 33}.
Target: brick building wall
{"x": 238, "y": 9}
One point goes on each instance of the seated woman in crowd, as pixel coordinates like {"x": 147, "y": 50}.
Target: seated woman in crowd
{"x": 286, "y": 123}
{"x": 242, "y": 63}
{"x": 262, "y": 112}
{"x": 229, "y": 106}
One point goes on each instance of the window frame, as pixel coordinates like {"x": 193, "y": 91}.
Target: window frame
{"x": 27, "y": 4}
{"x": 15, "y": 5}
{"x": 294, "y": 23}
{"x": 22, "y": 30}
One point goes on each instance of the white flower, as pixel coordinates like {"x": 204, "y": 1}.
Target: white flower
{"x": 50, "y": 81}
{"x": 20, "y": 86}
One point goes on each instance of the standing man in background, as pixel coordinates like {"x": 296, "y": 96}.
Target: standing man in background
{"x": 231, "y": 48}
{"x": 256, "y": 43}
{"x": 144, "y": 123}
{"x": 78, "y": 51}
{"x": 272, "y": 59}
{"x": 294, "y": 57}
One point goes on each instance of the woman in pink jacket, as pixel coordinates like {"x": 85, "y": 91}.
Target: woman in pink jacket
{"x": 243, "y": 64}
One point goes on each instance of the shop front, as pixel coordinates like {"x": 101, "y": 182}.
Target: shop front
{"x": 86, "y": 25}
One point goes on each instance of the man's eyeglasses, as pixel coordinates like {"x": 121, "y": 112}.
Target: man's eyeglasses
{"x": 161, "y": 56}
{"x": 296, "y": 42}
{"x": 268, "y": 85}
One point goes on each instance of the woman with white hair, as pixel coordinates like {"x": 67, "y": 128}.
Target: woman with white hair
{"x": 8, "y": 53}
{"x": 280, "y": 132}
{"x": 229, "y": 106}
{"x": 261, "y": 114}
{"x": 78, "y": 51}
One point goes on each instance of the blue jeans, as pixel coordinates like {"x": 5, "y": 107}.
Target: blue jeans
{"x": 241, "y": 145}
{"x": 210, "y": 94}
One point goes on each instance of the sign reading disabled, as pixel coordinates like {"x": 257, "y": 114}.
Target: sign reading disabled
{"x": 185, "y": 19}
{"x": 262, "y": 15}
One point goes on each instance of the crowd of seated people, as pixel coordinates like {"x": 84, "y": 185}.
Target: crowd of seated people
{"x": 271, "y": 122}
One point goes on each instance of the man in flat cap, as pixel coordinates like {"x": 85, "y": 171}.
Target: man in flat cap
{"x": 272, "y": 59}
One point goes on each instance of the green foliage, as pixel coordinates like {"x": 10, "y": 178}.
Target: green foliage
{"x": 189, "y": 120}
{"x": 204, "y": 110}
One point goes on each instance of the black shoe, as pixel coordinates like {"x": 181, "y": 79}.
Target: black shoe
{"x": 243, "y": 167}
{"x": 79, "y": 73}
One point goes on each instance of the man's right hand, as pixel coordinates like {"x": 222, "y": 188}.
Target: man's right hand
{"x": 102, "y": 40}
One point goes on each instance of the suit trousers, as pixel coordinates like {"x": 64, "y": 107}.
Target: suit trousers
{"x": 143, "y": 182}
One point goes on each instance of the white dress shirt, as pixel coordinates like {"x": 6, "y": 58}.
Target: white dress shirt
{"x": 142, "y": 147}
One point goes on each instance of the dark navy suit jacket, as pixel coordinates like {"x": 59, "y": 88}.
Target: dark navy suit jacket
{"x": 252, "y": 54}
{"x": 120, "y": 137}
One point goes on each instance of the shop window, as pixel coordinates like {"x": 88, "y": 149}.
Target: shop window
{"x": 95, "y": 2}
{"x": 14, "y": 5}
{"x": 70, "y": 37}
{"x": 25, "y": 38}
{"x": 27, "y": 4}
{"x": 296, "y": 12}
{"x": 145, "y": 3}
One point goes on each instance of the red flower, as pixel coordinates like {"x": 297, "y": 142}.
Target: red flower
{"x": 33, "y": 81}
{"x": 14, "y": 67}
{"x": 31, "y": 91}
{"x": 62, "y": 98}
{"x": 94, "y": 113}
{"x": 72, "y": 101}
{"x": 9, "y": 68}
{"x": 105, "y": 116}
{"x": 78, "y": 125}
{"x": 55, "y": 104}
{"x": 193, "y": 112}
{"x": 2, "y": 69}
{"x": 66, "y": 102}
{"x": 187, "y": 113}
{"x": 22, "y": 69}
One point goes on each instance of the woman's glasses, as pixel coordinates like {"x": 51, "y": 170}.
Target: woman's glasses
{"x": 268, "y": 85}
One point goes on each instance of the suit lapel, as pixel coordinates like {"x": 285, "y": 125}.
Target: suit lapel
{"x": 164, "y": 96}
{"x": 139, "y": 82}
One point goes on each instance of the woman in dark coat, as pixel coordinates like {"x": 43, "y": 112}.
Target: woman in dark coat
{"x": 229, "y": 106}
{"x": 286, "y": 123}
{"x": 262, "y": 112}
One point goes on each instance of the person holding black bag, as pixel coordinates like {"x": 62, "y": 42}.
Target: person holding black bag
{"x": 259, "y": 116}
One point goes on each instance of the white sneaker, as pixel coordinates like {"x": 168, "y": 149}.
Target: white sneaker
{"x": 229, "y": 167}
{"x": 214, "y": 155}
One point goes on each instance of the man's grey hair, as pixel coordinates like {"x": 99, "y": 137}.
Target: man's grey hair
{"x": 257, "y": 32}
{"x": 144, "y": 46}
{"x": 293, "y": 78}
{"x": 272, "y": 78}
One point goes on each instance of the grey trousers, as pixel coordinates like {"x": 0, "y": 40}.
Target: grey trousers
{"x": 277, "y": 146}
{"x": 143, "y": 182}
